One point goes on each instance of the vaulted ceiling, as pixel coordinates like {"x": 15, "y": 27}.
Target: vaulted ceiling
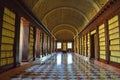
{"x": 65, "y": 18}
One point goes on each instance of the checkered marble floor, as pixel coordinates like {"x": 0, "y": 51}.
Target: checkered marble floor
{"x": 66, "y": 67}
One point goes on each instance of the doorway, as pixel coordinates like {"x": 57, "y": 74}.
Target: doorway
{"x": 93, "y": 46}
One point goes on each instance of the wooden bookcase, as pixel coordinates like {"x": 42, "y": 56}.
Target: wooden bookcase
{"x": 88, "y": 44}
{"x": 114, "y": 38}
{"x": 31, "y": 42}
{"x": 7, "y": 38}
{"x": 102, "y": 41}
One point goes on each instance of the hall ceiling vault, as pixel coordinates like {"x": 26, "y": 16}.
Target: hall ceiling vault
{"x": 65, "y": 18}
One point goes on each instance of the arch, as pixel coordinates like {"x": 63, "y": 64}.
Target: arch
{"x": 69, "y": 8}
{"x": 68, "y": 25}
{"x": 94, "y": 3}
{"x": 64, "y": 30}
{"x": 60, "y": 21}
{"x": 69, "y": 35}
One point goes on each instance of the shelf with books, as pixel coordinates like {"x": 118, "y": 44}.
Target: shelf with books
{"x": 114, "y": 37}
{"x": 102, "y": 41}
{"x": 7, "y": 38}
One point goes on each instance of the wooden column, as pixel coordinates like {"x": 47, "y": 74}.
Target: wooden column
{"x": 119, "y": 23}
{"x": 78, "y": 44}
{"x": 34, "y": 37}
{"x": 81, "y": 44}
{"x": 42, "y": 34}
{"x": 1, "y": 22}
{"x": 97, "y": 40}
{"x": 86, "y": 45}
{"x": 62, "y": 46}
{"x": 16, "y": 41}
{"x": 72, "y": 46}
{"x": 107, "y": 43}
{"x": 50, "y": 45}
{"x": 37, "y": 42}
{"x": 53, "y": 45}
{"x": 25, "y": 41}
{"x": 47, "y": 51}
{"x": 90, "y": 45}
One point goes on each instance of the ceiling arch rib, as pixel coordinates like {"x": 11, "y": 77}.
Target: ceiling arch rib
{"x": 51, "y": 26}
{"x": 94, "y": 4}
{"x": 61, "y": 16}
{"x": 34, "y": 5}
{"x": 64, "y": 26}
{"x": 64, "y": 30}
{"x": 55, "y": 13}
{"x": 86, "y": 3}
{"x": 64, "y": 35}
{"x": 85, "y": 6}
{"x": 91, "y": 1}
{"x": 58, "y": 21}
{"x": 68, "y": 8}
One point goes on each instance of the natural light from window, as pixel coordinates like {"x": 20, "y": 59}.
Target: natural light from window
{"x": 69, "y": 45}
{"x": 58, "y": 45}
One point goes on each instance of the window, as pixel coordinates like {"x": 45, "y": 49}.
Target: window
{"x": 58, "y": 45}
{"x": 69, "y": 45}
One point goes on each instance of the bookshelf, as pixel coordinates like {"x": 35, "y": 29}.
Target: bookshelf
{"x": 114, "y": 37}
{"x": 85, "y": 45}
{"x": 41, "y": 43}
{"x": 31, "y": 42}
{"x": 88, "y": 43}
{"x": 80, "y": 45}
{"x": 7, "y": 38}
{"x": 102, "y": 41}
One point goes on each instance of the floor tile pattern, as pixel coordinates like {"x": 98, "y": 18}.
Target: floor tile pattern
{"x": 66, "y": 67}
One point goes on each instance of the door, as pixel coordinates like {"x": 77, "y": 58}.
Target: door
{"x": 93, "y": 46}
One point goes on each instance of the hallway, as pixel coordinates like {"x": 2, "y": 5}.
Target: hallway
{"x": 60, "y": 39}
{"x": 68, "y": 66}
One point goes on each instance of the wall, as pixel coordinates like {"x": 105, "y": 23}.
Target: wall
{"x": 21, "y": 40}
{"x": 100, "y": 39}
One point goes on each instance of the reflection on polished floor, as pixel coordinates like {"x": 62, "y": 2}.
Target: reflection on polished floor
{"x": 67, "y": 67}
